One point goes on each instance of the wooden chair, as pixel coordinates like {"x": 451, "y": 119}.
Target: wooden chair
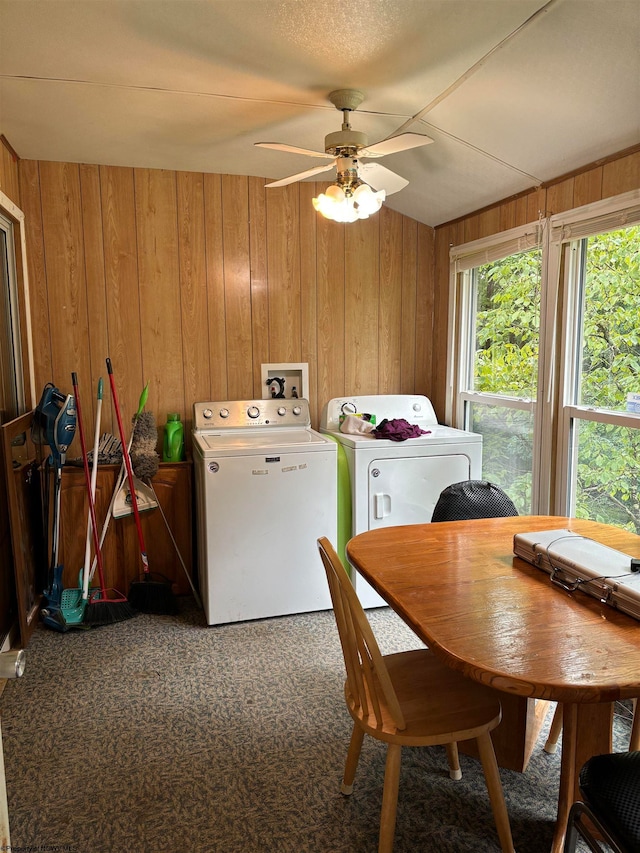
{"x": 408, "y": 699}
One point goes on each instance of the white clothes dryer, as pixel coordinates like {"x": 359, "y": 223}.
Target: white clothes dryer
{"x": 399, "y": 482}
{"x": 265, "y": 493}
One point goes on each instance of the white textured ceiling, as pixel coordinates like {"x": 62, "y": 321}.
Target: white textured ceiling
{"x": 511, "y": 98}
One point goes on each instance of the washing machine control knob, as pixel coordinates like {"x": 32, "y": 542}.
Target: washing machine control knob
{"x": 224, "y": 413}
{"x": 207, "y": 413}
{"x": 296, "y": 410}
{"x": 253, "y": 411}
{"x": 416, "y": 407}
{"x": 282, "y": 411}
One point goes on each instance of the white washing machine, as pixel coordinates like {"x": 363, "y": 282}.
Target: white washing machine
{"x": 265, "y": 492}
{"x": 399, "y": 482}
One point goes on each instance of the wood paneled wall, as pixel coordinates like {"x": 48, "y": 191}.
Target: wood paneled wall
{"x": 192, "y": 281}
{"x": 616, "y": 175}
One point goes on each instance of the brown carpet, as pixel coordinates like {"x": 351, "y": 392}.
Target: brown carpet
{"x": 160, "y": 735}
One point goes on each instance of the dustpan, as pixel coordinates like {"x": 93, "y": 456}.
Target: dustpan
{"x": 72, "y": 604}
{"x": 123, "y": 504}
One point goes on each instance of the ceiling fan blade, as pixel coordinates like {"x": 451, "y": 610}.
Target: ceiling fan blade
{"x": 381, "y": 178}
{"x": 300, "y": 176}
{"x": 291, "y": 149}
{"x": 403, "y": 142}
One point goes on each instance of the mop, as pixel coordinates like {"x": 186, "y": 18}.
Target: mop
{"x": 104, "y": 606}
{"x": 120, "y": 481}
{"x": 145, "y": 463}
{"x": 145, "y": 498}
{"x": 151, "y": 593}
{"x": 74, "y": 601}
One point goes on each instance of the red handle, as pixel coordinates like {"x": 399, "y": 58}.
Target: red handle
{"x": 127, "y": 462}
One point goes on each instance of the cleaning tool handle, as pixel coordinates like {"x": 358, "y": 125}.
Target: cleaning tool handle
{"x": 87, "y": 477}
{"x": 142, "y": 402}
{"x": 175, "y": 545}
{"x": 94, "y": 478}
{"x": 127, "y": 462}
{"x": 121, "y": 478}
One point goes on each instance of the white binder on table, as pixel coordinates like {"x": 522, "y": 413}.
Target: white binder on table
{"x": 577, "y": 562}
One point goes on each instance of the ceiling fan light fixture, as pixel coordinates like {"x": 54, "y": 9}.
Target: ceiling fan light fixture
{"x": 367, "y": 200}
{"x": 336, "y": 193}
{"x": 341, "y": 206}
{"x": 335, "y": 205}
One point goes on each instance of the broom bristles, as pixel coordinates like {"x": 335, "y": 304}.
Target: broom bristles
{"x": 107, "y": 613}
{"x": 101, "y": 610}
{"x": 153, "y": 594}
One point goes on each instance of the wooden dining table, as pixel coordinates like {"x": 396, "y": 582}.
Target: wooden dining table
{"x": 502, "y": 622}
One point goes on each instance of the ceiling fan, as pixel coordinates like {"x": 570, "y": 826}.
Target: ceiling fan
{"x": 346, "y": 148}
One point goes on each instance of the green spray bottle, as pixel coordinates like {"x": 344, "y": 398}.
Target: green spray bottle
{"x": 173, "y": 447}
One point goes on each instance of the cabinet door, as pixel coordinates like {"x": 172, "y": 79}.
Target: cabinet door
{"x": 24, "y": 548}
{"x": 121, "y": 548}
{"x": 405, "y": 490}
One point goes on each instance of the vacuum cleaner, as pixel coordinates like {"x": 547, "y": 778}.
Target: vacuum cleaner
{"x": 54, "y": 424}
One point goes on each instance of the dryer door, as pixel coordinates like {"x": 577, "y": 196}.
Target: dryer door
{"x": 405, "y": 490}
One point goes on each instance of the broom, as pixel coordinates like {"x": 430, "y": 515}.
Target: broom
{"x": 152, "y": 593}
{"x": 120, "y": 480}
{"x": 104, "y": 606}
{"x": 145, "y": 463}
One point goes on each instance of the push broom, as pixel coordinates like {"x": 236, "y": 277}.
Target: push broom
{"x": 145, "y": 462}
{"x": 151, "y": 593}
{"x": 104, "y": 606}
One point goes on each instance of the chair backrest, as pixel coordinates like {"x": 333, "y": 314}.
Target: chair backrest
{"x": 368, "y": 680}
{"x": 472, "y": 499}
{"x": 610, "y": 785}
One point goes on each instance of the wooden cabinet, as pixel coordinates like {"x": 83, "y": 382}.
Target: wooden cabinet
{"x": 121, "y": 550}
{"x": 24, "y": 564}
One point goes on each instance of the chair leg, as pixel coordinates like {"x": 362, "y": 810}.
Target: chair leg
{"x": 357, "y": 736}
{"x": 571, "y": 838}
{"x": 454, "y": 761}
{"x": 390, "y": 798}
{"x": 496, "y": 794}
{"x": 554, "y": 732}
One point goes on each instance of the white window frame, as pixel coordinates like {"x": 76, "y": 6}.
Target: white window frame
{"x": 566, "y": 229}
{"x": 554, "y": 409}
{"x": 463, "y": 259}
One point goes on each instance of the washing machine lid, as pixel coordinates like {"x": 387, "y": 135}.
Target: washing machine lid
{"x": 436, "y": 435}
{"x": 257, "y": 442}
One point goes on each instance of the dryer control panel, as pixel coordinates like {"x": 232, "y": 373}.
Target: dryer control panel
{"x": 247, "y": 414}
{"x": 414, "y": 408}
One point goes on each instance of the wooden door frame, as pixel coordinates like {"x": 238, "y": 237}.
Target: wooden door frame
{"x": 17, "y": 218}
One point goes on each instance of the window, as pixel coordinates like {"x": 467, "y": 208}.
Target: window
{"x": 545, "y": 360}
{"x": 601, "y": 420}
{"x": 498, "y": 359}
